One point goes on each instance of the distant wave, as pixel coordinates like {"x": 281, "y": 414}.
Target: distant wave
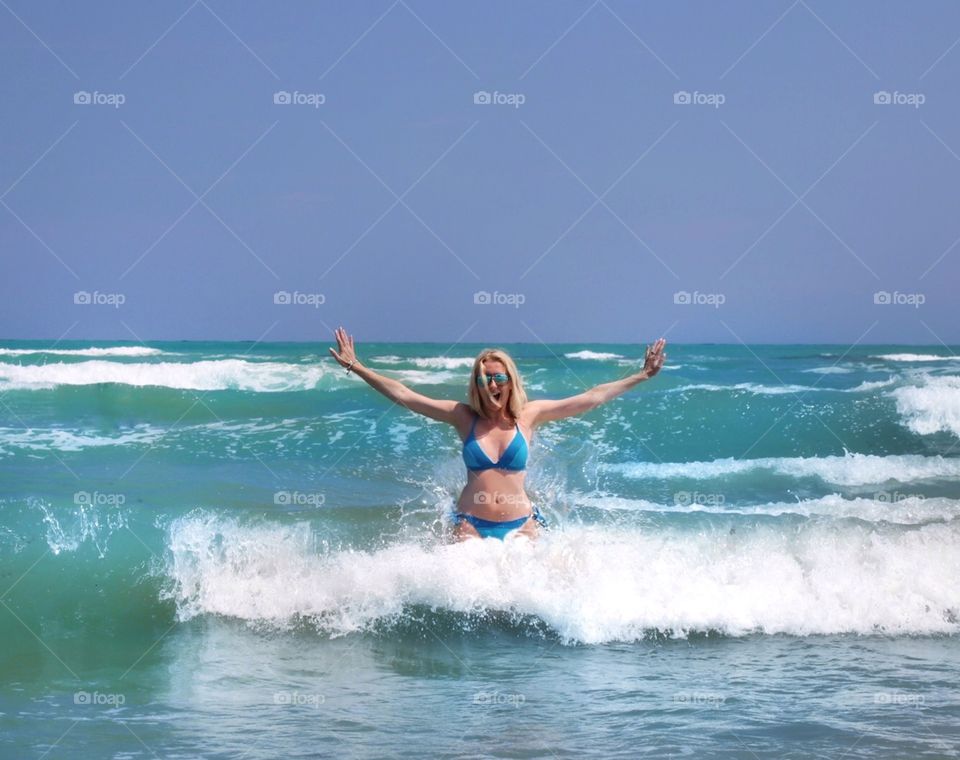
{"x": 226, "y": 374}
{"x": 915, "y": 358}
{"x": 755, "y": 388}
{"x": 829, "y": 370}
{"x": 849, "y": 470}
{"x": 430, "y": 362}
{"x": 931, "y": 407}
{"x": 777, "y": 390}
{"x": 113, "y": 351}
{"x": 588, "y": 584}
{"x": 425, "y": 377}
{"x": 598, "y": 355}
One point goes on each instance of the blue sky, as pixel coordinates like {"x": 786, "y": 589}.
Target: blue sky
{"x": 704, "y": 171}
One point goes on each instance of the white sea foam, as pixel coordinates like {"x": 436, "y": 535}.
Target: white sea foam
{"x": 58, "y": 439}
{"x": 110, "y": 351}
{"x": 225, "y": 374}
{"x": 931, "y": 407}
{"x": 902, "y": 509}
{"x": 849, "y": 470}
{"x": 588, "y": 584}
{"x": 596, "y": 355}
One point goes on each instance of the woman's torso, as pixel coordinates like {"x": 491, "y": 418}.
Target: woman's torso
{"x": 495, "y": 494}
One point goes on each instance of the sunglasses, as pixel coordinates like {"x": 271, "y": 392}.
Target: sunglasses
{"x": 500, "y": 379}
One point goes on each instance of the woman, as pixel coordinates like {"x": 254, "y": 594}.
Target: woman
{"x": 496, "y": 428}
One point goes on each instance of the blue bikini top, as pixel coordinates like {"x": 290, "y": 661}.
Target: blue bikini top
{"x": 476, "y": 459}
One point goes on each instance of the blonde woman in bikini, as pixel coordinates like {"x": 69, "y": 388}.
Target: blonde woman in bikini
{"x": 496, "y": 428}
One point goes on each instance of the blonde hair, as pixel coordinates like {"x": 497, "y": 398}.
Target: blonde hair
{"x": 518, "y": 397}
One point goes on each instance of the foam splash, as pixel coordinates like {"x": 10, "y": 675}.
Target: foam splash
{"x": 851, "y": 469}
{"x": 226, "y": 374}
{"x": 931, "y": 407}
{"x": 67, "y": 531}
{"x": 589, "y": 585}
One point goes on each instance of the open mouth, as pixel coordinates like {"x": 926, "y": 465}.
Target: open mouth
{"x": 495, "y": 394}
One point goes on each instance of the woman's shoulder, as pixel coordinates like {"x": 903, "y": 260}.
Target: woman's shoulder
{"x": 465, "y": 417}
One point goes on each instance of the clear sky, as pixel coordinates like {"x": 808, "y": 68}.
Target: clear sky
{"x": 706, "y": 171}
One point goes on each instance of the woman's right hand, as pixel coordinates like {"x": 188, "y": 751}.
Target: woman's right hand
{"x": 345, "y": 355}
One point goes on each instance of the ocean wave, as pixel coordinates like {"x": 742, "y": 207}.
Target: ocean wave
{"x": 110, "y": 351}
{"x": 931, "y": 407}
{"x": 851, "y": 469}
{"x": 588, "y": 585}
{"x": 596, "y": 355}
{"x": 226, "y": 374}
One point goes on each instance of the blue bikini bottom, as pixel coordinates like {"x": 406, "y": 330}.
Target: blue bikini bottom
{"x": 497, "y": 529}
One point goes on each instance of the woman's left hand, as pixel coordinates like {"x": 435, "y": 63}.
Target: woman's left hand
{"x": 655, "y": 357}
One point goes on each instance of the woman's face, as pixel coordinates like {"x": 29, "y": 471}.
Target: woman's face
{"x": 492, "y": 395}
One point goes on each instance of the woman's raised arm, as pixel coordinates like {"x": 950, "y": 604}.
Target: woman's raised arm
{"x": 547, "y": 410}
{"x": 397, "y": 392}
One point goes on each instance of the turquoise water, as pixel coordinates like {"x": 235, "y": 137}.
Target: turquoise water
{"x": 212, "y": 549}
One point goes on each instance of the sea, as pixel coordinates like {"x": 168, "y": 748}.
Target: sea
{"x": 238, "y": 550}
